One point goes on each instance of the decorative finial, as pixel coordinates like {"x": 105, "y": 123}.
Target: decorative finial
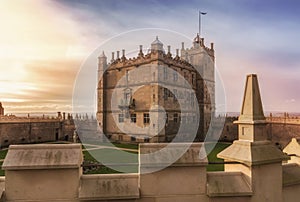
{"x": 102, "y": 54}
{"x": 141, "y": 54}
{"x": 112, "y": 56}
{"x": 252, "y": 109}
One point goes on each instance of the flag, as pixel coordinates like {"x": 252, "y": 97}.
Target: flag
{"x": 202, "y": 13}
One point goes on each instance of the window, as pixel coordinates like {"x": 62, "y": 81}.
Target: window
{"x": 193, "y": 79}
{"x": 175, "y": 94}
{"x": 133, "y": 118}
{"x": 146, "y": 139}
{"x": 183, "y": 119}
{"x": 192, "y": 99}
{"x": 146, "y": 118}
{"x": 175, "y": 76}
{"x": 166, "y": 93}
{"x": 165, "y": 73}
{"x": 175, "y": 118}
{"x": 133, "y": 139}
{"x": 170, "y": 94}
{"x": 167, "y": 118}
{"x": 121, "y": 118}
{"x": 194, "y": 119}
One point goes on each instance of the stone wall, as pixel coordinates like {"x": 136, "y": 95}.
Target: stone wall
{"x": 282, "y": 133}
{"x": 53, "y": 173}
{"x": 280, "y": 130}
{"x": 21, "y": 130}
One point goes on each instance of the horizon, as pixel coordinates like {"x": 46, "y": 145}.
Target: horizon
{"x": 40, "y": 60}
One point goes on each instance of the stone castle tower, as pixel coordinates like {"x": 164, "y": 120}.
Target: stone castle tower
{"x": 203, "y": 60}
{"x": 151, "y": 80}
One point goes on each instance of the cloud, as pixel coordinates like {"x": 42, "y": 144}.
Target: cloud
{"x": 250, "y": 37}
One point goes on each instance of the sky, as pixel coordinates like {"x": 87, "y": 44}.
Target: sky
{"x": 43, "y": 45}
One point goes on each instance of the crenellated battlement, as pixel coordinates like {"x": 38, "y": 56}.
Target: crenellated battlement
{"x": 154, "y": 55}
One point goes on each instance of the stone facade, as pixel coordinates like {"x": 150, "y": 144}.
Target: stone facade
{"x": 25, "y": 130}
{"x": 132, "y": 90}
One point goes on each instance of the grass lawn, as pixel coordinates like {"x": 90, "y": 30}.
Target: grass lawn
{"x": 3, "y": 153}
{"x": 2, "y": 157}
{"x": 113, "y": 156}
{"x": 127, "y": 146}
{"x": 119, "y": 160}
{"x": 2, "y": 172}
{"x": 212, "y": 156}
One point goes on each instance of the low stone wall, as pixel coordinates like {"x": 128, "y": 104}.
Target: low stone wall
{"x": 54, "y": 173}
{"x": 109, "y": 187}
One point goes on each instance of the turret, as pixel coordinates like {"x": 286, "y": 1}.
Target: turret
{"x": 157, "y": 45}
{"x": 102, "y": 65}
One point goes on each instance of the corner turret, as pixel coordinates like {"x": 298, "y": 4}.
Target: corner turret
{"x": 157, "y": 45}
{"x": 102, "y": 64}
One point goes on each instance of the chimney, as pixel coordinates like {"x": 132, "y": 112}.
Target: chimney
{"x": 141, "y": 54}
{"x": 118, "y": 54}
{"x": 112, "y": 56}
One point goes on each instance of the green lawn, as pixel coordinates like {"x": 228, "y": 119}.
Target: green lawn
{"x": 113, "y": 156}
{"x": 120, "y": 160}
{"x": 127, "y": 146}
{"x": 3, "y": 153}
{"x": 2, "y": 157}
{"x": 212, "y": 156}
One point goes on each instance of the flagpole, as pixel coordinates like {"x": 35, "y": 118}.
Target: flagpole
{"x": 199, "y": 23}
{"x": 200, "y": 13}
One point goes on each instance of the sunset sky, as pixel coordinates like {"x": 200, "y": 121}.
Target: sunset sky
{"x": 44, "y": 43}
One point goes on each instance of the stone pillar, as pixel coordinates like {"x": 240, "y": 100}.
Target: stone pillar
{"x": 257, "y": 157}
{"x": 45, "y": 172}
{"x": 182, "y": 180}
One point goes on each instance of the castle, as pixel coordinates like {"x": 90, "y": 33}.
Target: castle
{"x": 255, "y": 170}
{"x": 147, "y": 98}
